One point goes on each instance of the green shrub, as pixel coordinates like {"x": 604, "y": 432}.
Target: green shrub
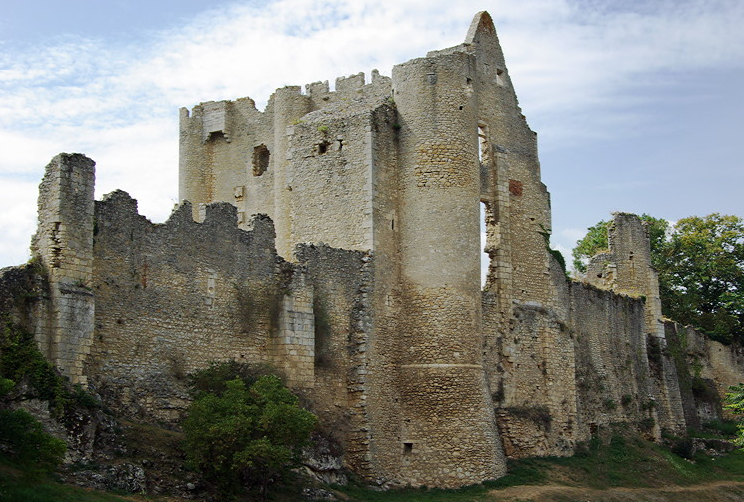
{"x": 23, "y": 437}
{"x": 214, "y": 378}
{"x": 21, "y": 361}
{"x": 245, "y": 436}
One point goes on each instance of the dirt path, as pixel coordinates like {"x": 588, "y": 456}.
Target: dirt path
{"x": 719, "y": 491}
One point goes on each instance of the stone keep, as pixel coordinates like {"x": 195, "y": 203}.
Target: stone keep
{"x": 398, "y": 167}
{"x": 336, "y": 236}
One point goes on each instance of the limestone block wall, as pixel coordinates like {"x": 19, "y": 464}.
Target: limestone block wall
{"x": 231, "y": 152}
{"x": 517, "y": 202}
{"x": 173, "y": 297}
{"x": 343, "y": 324}
{"x": 24, "y": 298}
{"x": 293, "y": 348}
{"x": 329, "y": 179}
{"x": 533, "y": 384}
{"x": 63, "y": 244}
{"x": 613, "y": 381}
{"x": 714, "y": 367}
{"x": 627, "y": 269}
{"x": 218, "y": 141}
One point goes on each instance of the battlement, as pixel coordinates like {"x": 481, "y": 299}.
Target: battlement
{"x": 336, "y": 236}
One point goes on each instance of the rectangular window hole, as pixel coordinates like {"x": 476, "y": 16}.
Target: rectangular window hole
{"x": 407, "y": 448}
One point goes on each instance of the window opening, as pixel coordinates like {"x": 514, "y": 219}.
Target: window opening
{"x": 407, "y": 448}
{"x": 485, "y": 259}
{"x": 261, "y": 157}
{"x": 484, "y": 146}
{"x": 323, "y": 147}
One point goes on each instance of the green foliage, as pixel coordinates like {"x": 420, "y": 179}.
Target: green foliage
{"x": 701, "y": 270}
{"x": 701, "y": 275}
{"x": 553, "y": 252}
{"x": 245, "y": 436}
{"x": 734, "y": 401}
{"x": 323, "y": 129}
{"x": 23, "y": 437}
{"x": 722, "y": 427}
{"x": 595, "y": 241}
{"x": 32, "y": 487}
{"x": 21, "y": 361}
{"x": 214, "y": 378}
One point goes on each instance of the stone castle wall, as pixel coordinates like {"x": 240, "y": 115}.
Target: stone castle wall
{"x": 362, "y": 284}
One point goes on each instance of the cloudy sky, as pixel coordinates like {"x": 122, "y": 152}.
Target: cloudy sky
{"x": 638, "y": 104}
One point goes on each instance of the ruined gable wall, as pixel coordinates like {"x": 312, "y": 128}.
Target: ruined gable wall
{"x": 517, "y": 202}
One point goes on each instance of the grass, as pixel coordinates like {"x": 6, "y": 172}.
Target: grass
{"x": 613, "y": 459}
{"x": 18, "y": 484}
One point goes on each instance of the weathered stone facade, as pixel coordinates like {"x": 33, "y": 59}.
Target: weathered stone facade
{"x": 362, "y": 284}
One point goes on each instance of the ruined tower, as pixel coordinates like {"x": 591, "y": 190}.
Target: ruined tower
{"x": 64, "y": 244}
{"x": 335, "y": 235}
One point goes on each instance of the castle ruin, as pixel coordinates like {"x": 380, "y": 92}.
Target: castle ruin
{"x": 336, "y": 236}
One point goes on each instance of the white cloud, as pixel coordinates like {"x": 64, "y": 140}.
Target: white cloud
{"x": 573, "y": 63}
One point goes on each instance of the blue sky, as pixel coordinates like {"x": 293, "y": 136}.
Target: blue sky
{"x": 638, "y": 106}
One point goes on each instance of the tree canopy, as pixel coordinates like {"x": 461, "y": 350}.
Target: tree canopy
{"x": 246, "y": 436}
{"x": 701, "y": 270}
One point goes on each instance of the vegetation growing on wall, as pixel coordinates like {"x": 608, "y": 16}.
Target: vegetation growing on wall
{"x": 21, "y": 362}
{"x": 735, "y": 402}
{"x": 22, "y": 437}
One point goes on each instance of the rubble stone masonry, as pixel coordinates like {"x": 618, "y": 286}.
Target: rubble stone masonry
{"x": 335, "y": 236}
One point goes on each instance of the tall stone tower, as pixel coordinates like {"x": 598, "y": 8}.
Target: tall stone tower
{"x": 447, "y": 419}
{"x": 64, "y": 244}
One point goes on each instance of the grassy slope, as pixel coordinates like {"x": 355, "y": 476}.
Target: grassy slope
{"x": 619, "y": 467}
{"x": 619, "y": 461}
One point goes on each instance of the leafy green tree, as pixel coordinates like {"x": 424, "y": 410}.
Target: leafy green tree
{"x": 246, "y": 436}
{"x": 701, "y": 275}
{"x": 23, "y": 439}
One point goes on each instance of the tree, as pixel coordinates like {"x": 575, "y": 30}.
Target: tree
{"x": 246, "y": 436}
{"x": 701, "y": 270}
{"x": 701, "y": 275}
